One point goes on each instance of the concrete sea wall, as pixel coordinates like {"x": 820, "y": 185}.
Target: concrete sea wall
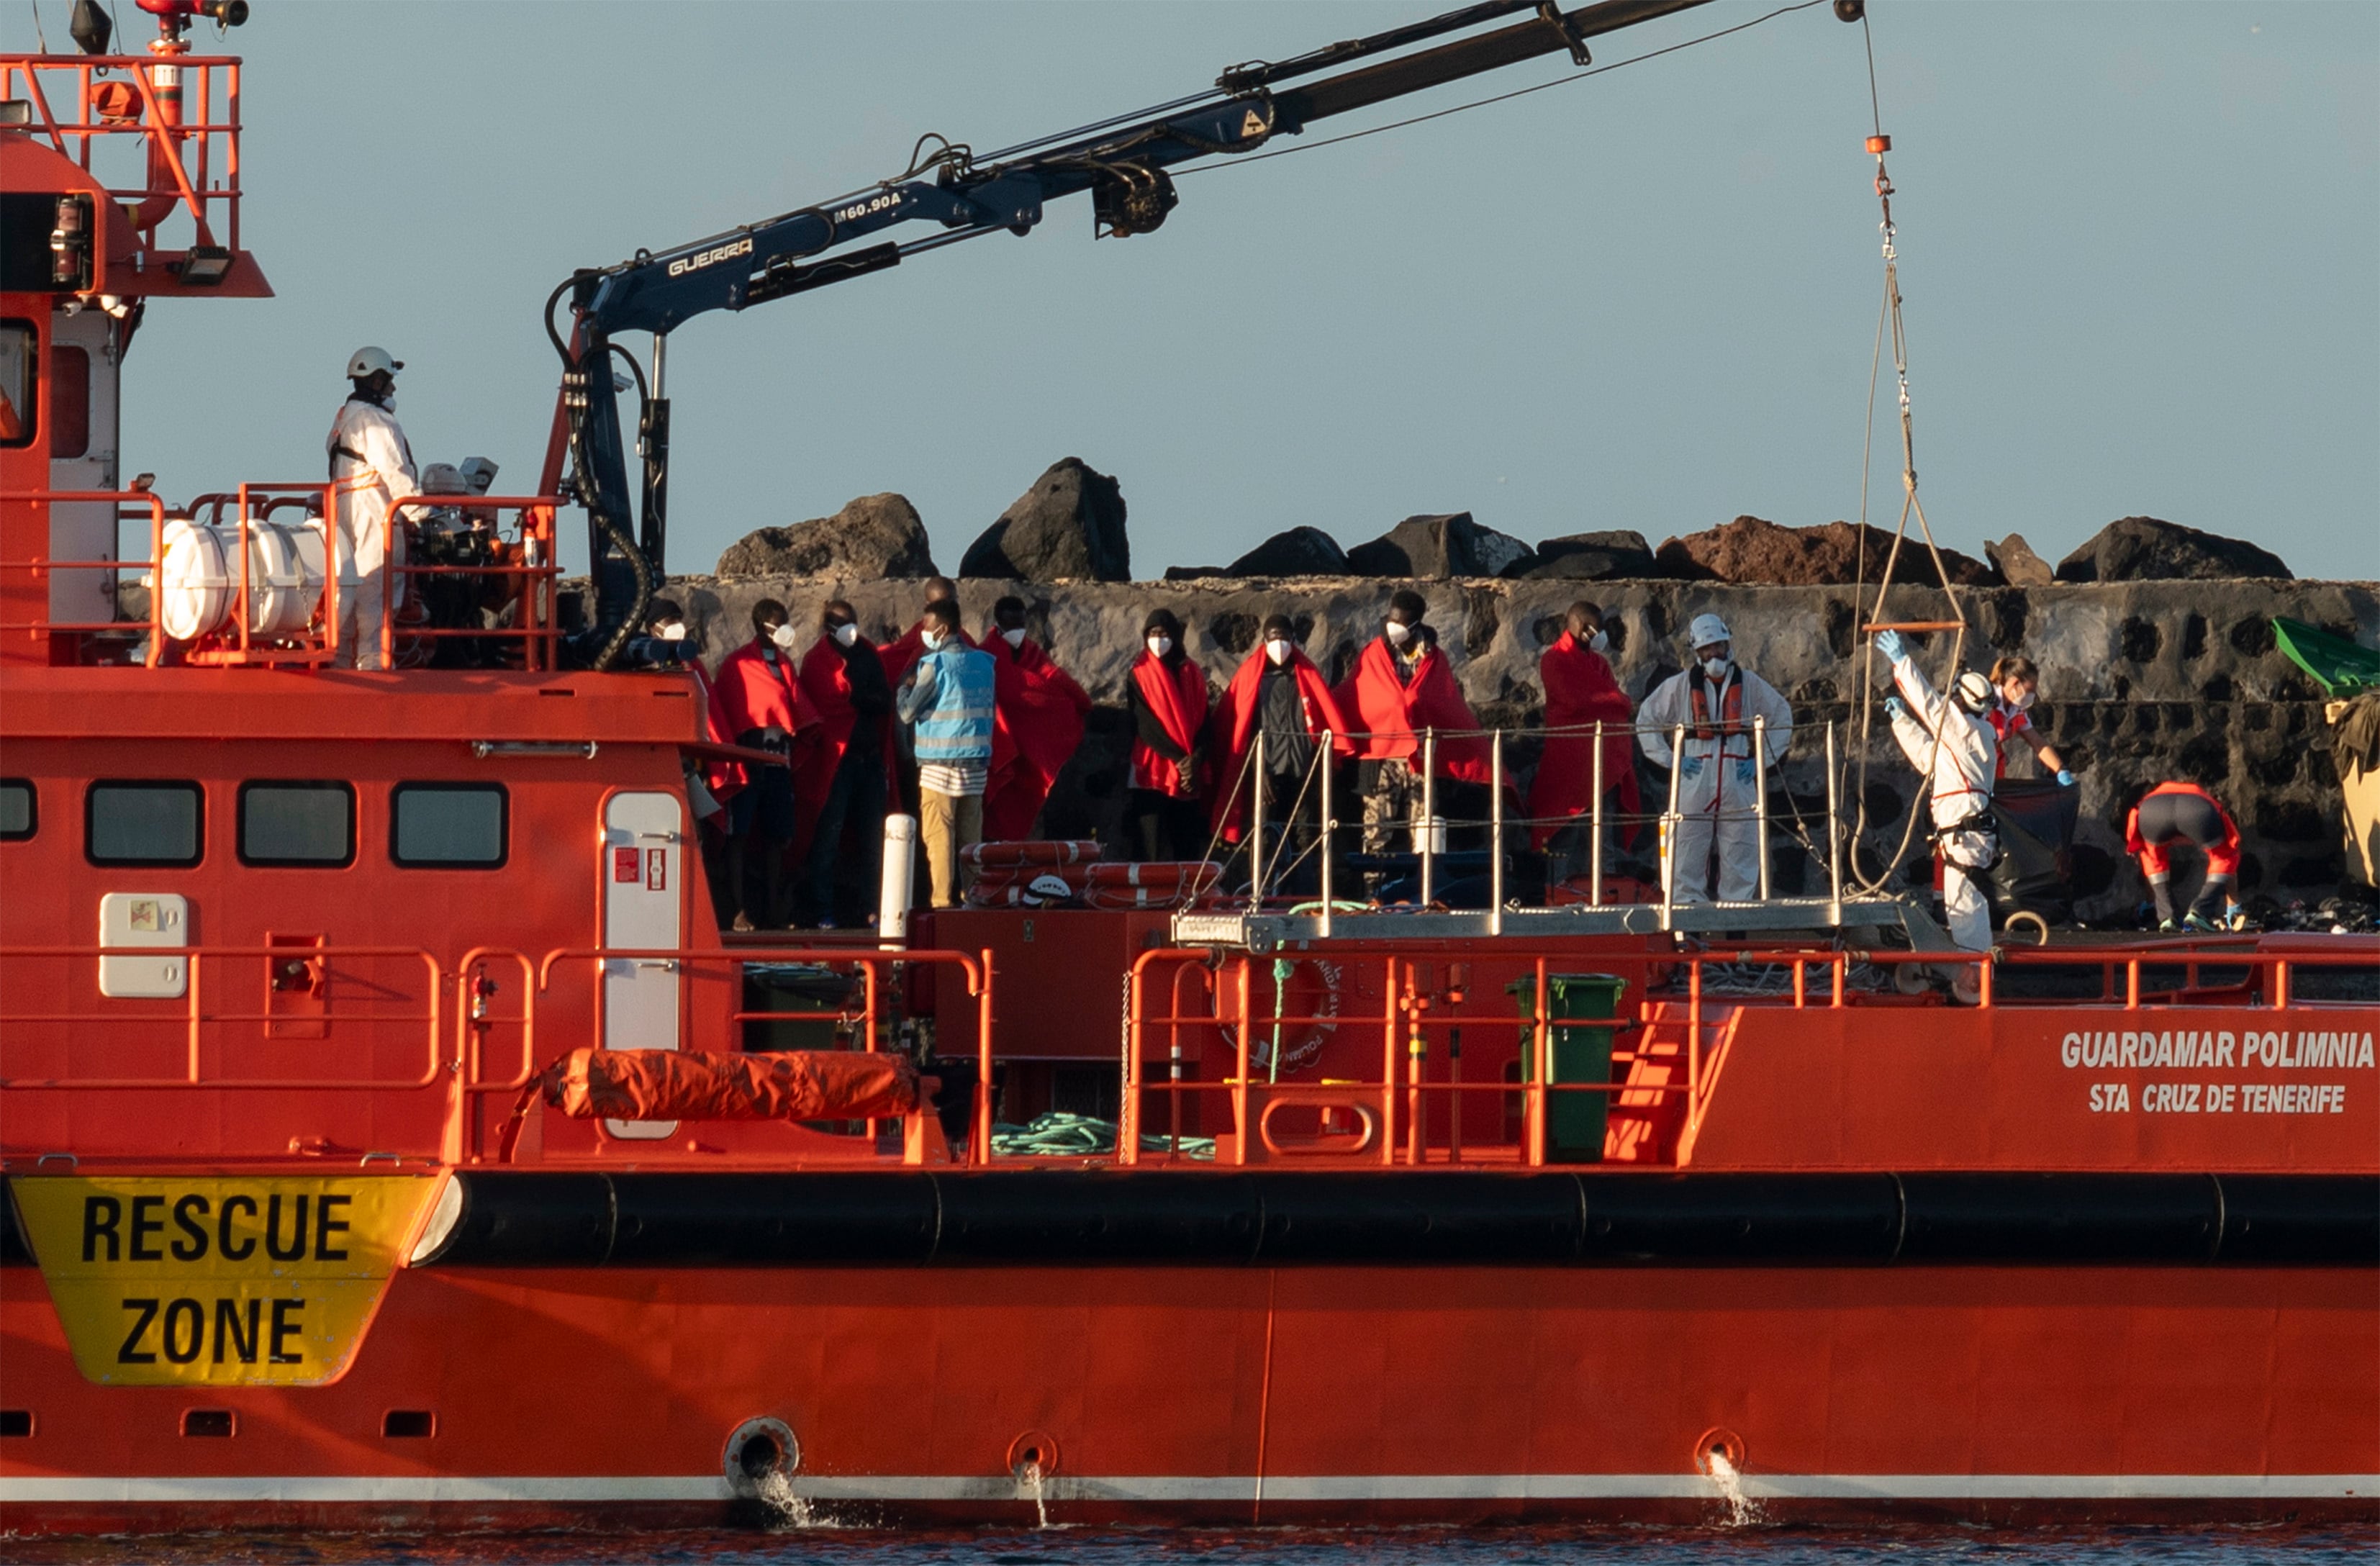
{"x": 2141, "y": 682}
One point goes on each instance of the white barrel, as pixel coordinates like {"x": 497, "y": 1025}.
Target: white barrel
{"x": 199, "y": 578}
{"x": 900, "y": 870}
{"x": 1434, "y": 831}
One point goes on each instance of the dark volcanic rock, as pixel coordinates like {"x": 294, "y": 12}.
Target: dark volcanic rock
{"x": 1439, "y": 547}
{"x": 1192, "y": 573}
{"x": 2141, "y": 549}
{"x": 1069, "y": 525}
{"x": 875, "y": 536}
{"x": 2015, "y": 561}
{"x": 1593, "y": 557}
{"x": 1751, "y": 550}
{"x": 1301, "y": 552}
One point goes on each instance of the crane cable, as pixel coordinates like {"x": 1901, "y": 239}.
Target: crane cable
{"x": 1869, "y": 621}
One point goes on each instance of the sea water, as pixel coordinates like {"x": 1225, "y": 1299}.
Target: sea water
{"x": 1728, "y": 1545}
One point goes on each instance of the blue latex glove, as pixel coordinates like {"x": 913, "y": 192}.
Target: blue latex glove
{"x": 2065, "y": 778}
{"x": 1892, "y": 706}
{"x": 1891, "y": 645}
{"x": 1743, "y": 771}
{"x": 1692, "y": 766}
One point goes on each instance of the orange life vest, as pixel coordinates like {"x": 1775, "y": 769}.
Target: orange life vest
{"x": 1730, "y": 708}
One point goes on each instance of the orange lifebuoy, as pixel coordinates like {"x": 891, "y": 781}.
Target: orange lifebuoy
{"x": 1161, "y": 883}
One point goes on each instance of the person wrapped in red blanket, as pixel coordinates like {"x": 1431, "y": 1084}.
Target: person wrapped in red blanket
{"x": 1038, "y": 716}
{"x": 841, "y": 787}
{"x": 1401, "y": 690}
{"x": 1582, "y": 691}
{"x": 1278, "y": 693}
{"x": 1167, "y": 694}
{"x": 758, "y": 701}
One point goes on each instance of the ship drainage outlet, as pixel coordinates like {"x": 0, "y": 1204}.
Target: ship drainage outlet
{"x": 759, "y": 1462}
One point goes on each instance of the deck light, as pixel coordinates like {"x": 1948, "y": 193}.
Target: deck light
{"x": 204, "y": 266}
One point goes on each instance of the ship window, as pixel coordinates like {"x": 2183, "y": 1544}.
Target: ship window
{"x": 17, "y": 346}
{"x": 297, "y": 823}
{"x": 19, "y": 812}
{"x": 69, "y": 402}
{"x": 448, "y": 826}
{"x": 143, "y": 823}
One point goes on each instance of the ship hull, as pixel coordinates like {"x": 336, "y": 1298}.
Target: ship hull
{"x": 1156, "y": 1394}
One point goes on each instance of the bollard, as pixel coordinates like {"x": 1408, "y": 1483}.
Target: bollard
{"x": 900, "y": 868}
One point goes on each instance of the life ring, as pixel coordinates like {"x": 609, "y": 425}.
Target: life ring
{"x": 1311, "y": 991}
{"x": 1156, "y": 885}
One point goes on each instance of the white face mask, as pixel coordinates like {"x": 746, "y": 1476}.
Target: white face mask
{"x": 784, "y": 637}
{"x": 1277, "y": 650}
{"x": 1160, "y": 645}
{"x": 388, "y": 400}
{"x": 1399, "y": 634}
{"x": 1597, "y": 642}
{"x": 2021, "y": 701}
{"x": 1014, "y": 637}
{"x": 1714, "y": 667}
{"x": 932, "y": 640}
{"x": 672, "y": 633}
{"x": 846, "y": 634}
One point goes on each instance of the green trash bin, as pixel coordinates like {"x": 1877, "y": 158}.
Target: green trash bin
{"x": 1586, "y": 1005}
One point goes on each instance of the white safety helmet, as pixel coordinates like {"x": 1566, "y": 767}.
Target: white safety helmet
{"x": 370, "y": 361}
{"x": 1974, "y": 691}
{"x": 1709, "y": 630}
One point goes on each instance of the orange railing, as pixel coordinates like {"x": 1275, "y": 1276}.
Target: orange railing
{"x": 528, "y": 557}
{"x": 199, "y": 1017}
{"x": 1392, "y": 1112}
{"x": 38, "y": 570}
{"x": 2129, "y": 976}
{"x": 867, "y": 1024}
{"x": 189, "y": 158}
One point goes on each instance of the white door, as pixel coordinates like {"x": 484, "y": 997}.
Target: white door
{"x": 82, "y": 419}
{"x": 644, "y": 904}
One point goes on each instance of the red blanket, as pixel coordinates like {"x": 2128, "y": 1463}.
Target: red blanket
{"x": 1234, "y": 729}
{"x": 1580, "y": 689}
{"x": 1396, "y": 713}
{"x": 1177, "y": 693}
{"x": 1038, "y": 714}
{"x": 826, "y": 683}
{"x": 750, "y": 692}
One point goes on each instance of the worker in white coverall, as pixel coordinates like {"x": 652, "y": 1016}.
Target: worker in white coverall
{"x": 371, "y": 468}
{"x": 1953, "y": 744}
{"x": 1719, "y": 778}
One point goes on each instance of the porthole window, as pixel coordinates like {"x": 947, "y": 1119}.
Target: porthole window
{"x": 448, "y": 826}
{"x": 19, "y": 809}
{"x": 157, "y": 824}
{"x": 297, "y": 823}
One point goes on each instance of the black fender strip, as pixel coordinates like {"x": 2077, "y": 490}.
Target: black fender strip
{"x": 917, "y": 1217}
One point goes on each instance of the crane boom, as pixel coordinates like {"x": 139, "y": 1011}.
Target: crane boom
{"x": 1121, "y": 164}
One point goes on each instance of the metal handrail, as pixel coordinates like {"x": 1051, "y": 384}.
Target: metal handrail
{"x": 977, "y": 969}
{"x": 195, "y": 1016}
{"x": 167, "y": 135}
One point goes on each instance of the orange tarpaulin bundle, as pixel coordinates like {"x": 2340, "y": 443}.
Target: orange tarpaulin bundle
{"x": 781, "y": 1084}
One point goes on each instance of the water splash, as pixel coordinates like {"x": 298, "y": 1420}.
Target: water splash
{"x": 1742, "y": 1511}
{"x": 1029, "y": 1483}
{"x": 788, "y": 1507}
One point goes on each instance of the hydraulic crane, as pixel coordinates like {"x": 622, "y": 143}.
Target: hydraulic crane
{"x": 1120, "y": 162}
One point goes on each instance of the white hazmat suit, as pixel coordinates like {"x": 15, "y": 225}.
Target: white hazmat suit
{"x": 1718, "y": 782}
{"x": 371, "y": 468}
{"x": 1960, "y": 769}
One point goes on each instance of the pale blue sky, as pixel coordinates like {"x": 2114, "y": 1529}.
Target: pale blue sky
{"x": 2141, "y": 253}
